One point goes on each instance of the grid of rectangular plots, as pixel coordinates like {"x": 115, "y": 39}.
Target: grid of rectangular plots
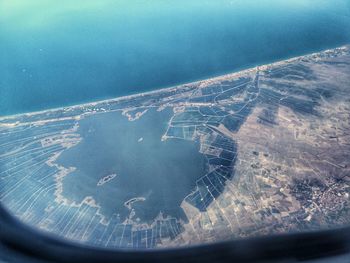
{"x": 26, "y": 197}
{"x": 83, "y": 223}
{"x": 21, "y": 138}
{"x": 227, "y": 151}
{"x": 150, "y": 237}
{"x": 23, "y": 167}
{"x": 209, "y": 187}
{"x": 119, "y": 235}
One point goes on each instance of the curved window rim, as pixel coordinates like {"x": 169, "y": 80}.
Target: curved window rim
{"x": 21, "y": 240}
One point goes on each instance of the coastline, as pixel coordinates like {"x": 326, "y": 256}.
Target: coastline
{"x": 207, "y": 80}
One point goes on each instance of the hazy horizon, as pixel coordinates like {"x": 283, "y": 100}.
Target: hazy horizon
{"x": 60, "y": 54}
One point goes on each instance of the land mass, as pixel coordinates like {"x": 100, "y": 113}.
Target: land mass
{"x": 257, "y": 152}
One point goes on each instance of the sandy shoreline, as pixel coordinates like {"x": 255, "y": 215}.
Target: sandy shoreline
{"x": 200, "y": 84}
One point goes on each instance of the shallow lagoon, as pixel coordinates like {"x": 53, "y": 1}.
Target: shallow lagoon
{"x": 162, "y": 172}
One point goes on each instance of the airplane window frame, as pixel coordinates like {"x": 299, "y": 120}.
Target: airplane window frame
{"x": 19, "y": 241}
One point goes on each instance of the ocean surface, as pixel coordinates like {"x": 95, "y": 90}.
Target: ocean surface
{"x": 60, "y": 53}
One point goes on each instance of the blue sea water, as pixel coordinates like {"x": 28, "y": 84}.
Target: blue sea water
{"x": 59, "y": 53}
